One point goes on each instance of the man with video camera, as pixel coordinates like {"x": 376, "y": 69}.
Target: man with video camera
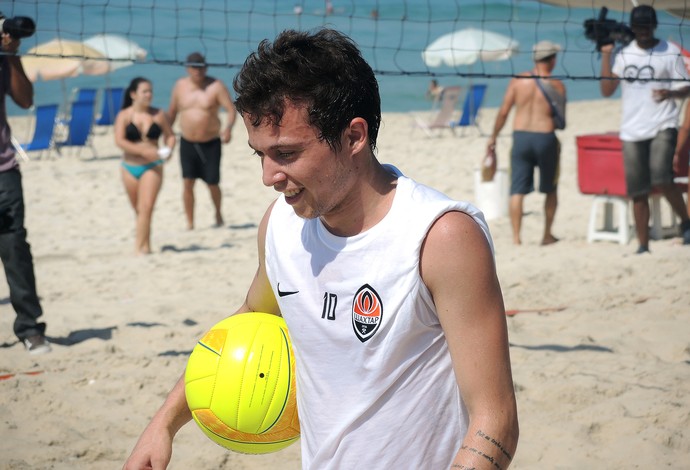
{"x": 14, "y": 249}
{"x": 650, "y": 70}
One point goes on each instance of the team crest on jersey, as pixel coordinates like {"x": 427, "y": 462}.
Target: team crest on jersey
{"x": 367, "y": 312}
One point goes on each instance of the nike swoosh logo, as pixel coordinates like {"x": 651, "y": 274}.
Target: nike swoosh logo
{"x": 285, "y": 293}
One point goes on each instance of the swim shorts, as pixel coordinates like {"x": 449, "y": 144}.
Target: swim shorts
{"x": 649, "y": 162}
{"x": 201, "y": 160}
{"x": 530, "y": 150}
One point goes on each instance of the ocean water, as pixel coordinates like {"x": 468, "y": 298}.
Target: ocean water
{"x": 227, "y": 30}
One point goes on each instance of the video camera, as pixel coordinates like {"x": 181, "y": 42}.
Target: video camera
{"x": 604, "y": 31}
{"x": 18, "y": 27}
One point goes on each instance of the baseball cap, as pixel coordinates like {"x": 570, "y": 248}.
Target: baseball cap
{"x": 643, "y": 15}
{"x": 544, "y": 49}
{"x": 195, "y": 59}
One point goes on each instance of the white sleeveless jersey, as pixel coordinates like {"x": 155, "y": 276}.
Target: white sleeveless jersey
{"x": 375, "y": 384}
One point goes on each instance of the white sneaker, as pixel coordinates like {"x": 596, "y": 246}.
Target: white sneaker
{"x": 37, "y": 344}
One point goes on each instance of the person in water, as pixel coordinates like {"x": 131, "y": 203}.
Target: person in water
{"x": 138, "y": 130}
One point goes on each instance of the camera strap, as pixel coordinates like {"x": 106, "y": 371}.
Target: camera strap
{"x": 556, "y": 102}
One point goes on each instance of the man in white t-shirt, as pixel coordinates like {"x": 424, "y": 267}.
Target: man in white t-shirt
{"x": 650, "y": 69}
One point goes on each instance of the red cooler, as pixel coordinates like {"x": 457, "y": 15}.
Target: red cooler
{"x": 600, "y": 164}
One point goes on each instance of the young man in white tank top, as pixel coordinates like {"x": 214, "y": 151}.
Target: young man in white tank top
{"x": 388, "y": 287}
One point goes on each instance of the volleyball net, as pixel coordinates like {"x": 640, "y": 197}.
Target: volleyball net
{"x": 396, "y": 36}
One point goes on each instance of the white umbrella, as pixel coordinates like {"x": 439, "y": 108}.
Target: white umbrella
{"x": 467, "y": 46}
{"x": 121, "y": 50}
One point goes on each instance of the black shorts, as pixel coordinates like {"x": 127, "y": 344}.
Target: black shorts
{"x": 200, "y": 160}
{"x": 530, "y": 150}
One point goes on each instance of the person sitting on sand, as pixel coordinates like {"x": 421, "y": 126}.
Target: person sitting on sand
{"x": 434, "y": 92}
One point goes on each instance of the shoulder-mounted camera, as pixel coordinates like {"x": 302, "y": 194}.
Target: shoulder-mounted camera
{"x": 18, "y": 27}
{"x": 604, "y": 31}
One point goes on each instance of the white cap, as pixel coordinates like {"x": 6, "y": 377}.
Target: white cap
{"x": 544, "y": 49}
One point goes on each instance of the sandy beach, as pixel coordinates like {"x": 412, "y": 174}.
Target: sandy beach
{"x": 601, "y": 353}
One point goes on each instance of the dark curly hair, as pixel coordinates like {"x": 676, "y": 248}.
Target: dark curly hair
{"x": 323, "y": 71}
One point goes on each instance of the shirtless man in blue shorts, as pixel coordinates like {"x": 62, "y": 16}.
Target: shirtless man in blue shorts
{"x": 197, "y": 99}
{"x": 534, "y": 141}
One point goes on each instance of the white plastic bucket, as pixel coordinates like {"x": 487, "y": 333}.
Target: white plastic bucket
{"x": 492, "y": 196}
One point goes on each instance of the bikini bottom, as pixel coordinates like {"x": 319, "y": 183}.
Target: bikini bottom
{"x": 138, "y": 170}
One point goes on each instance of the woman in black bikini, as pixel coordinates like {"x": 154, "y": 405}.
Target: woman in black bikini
{"x": 138, "y": 128}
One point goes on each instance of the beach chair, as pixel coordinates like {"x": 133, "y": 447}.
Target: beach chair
{"x": 444, "y": 117}
{"x": 79, "y": 127}
{"x": 78, "y": 94}
{"x": 43, "y": 129}
{"x": 84, "y": 94}
{"x": 111, "y": 102}
{"x": 470, "y": 109}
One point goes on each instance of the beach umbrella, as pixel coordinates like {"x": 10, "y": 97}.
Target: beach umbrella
{"x": 121, "y": 51}
{"x": 61, "y": 58}
{"x": 467, "y": 46}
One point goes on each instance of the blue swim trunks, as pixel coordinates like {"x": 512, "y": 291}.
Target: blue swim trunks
{"x": 530, "y": 150}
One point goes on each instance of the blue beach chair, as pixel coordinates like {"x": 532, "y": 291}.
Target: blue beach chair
{"x": 43, "y": 129}
{"x": 84, "y": 94}
{"x": 111, "y": 101}
{"x": 470, "y": 109}
{"x": 79, "y": 127}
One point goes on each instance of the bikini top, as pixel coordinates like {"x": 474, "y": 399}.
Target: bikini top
{"x": 133, "y": 135}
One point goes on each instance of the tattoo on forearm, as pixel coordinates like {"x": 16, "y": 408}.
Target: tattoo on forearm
{"x": 494, "y": 442}
{"x": 490, "y": 458}
{"x": 484, "y": 456}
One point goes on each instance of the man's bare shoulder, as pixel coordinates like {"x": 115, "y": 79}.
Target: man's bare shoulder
{"x": 554, "y": 84}
{"x": 456, "y": 225}
{"x": 181, "y": 83}
{"x": 215, "y": 83}
{"x": 520, "y": 79}
{"x": 558, "y": 85}
{"x": 521, "y": 82}
{"x": 454, "y": 242}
